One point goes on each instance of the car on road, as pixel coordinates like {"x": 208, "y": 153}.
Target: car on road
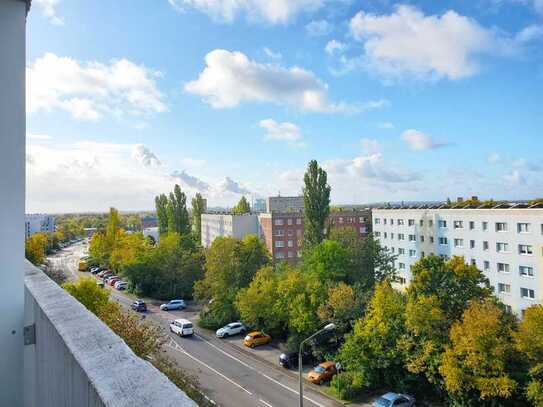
{"x": 181, "y": 327}
{"x": 322, "y": 373}
{"x": 121, "y": 285}
{"x": 256, "y": 338}
{"x": 394, "y": 400}
{"x": 139, "y": 306}
{"x": 289, "y": 360}
{"x": 230, "y": 329}
{"x": 173, "y": 305}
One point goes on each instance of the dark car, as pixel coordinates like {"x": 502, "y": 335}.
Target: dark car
{"x": 139, "y": 306}
{"x": 289, "y": 360}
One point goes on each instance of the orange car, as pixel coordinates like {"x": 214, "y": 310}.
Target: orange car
{"x": 256, "y": 338}
{"x": 322, "y": 373}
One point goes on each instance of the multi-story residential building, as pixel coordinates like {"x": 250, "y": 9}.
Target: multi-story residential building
{"x": 259, "y": 205}
{"x": 285, "y": 204}
{"x": 283, "y": 231}
{"x": 226, "y": 224}
{"x": 505, "y": 242}
{"x": 38, "y": 222}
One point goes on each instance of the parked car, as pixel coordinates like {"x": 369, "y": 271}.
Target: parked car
{"x": 100, "y": 283}
{"x": 139, "y": 306}
{"x": 322, "y": 373}
{"x": 105, "y": 273}
{"x": 82, "y": 266}
{"x": 394, "y": 400}
{"x": 173, "y": 304}
{"x": 181, "y": 327}
{"x": 289, "y": 360}
{"x": 232, "y": 328}
{"x": 121, "y": 285}
{"x": 256, "y": 338}
{"x": 94, "y": 270}
{"x": 113, "y": 280}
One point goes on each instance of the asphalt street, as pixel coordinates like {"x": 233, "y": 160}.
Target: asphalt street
{"x": 229, "y": 377}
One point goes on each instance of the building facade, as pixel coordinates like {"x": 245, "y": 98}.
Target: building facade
{"x": 285, "y": 204}
{"x": 505, "y": 243}
{"x": 37, "y": 222}
{"x": 259, "y": 205}
{"x": 225, "y": 224}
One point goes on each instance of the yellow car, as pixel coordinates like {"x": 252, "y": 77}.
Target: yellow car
{"x": 82, "y": 265}
{"x": 256, "y": 338}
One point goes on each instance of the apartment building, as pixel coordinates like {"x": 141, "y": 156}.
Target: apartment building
{"x": 226, "y": 224}
{"x": 259, "y": 205}
{"x": 38, "y": 222}
{"x": 505, "y": 242}
{"x": 283, "y": 231}
{"x": 285, "y": 204}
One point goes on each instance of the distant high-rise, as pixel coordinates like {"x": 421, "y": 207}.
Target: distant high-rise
{"x": 38, "y": 222}
{"x": 285, "y": 204}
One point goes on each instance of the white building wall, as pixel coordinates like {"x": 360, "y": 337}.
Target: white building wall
{"x": 35, "y": 223}
{"x": 12, "y": 197}
{"x": 227, "y": 225}
{"x": 388, "y": 228}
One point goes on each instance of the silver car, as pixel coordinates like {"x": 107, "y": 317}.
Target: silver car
{"x": 232, "y": 328}
{"x": 394, "y": 400}
{"x": 173, "y": 304}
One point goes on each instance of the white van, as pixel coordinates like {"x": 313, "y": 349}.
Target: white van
{"x": 181, "y": 327}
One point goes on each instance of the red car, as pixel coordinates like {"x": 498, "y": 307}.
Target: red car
{"x": 112, "y": 281}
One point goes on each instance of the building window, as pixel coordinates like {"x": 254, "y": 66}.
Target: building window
{"x": 412, "y": 238}
{"x": 385, "y": 235}
{"x": 411, "y": 222}
{"x": 361, "y": 220}
{"x": 401, "y": 250}
{"x": 401, "y": 236}
{"x": 502, "y": 247}
{"x": 471, "y": 225}
{"x": 400, "y": 222}
{"x": 527, "y": 293}
{"x": 473, "y": 262}
{"x": 523, "y": 227}
{"x": 412, "y": 253}
{"x": 526, "y": 271}
{"x": 392, "y": 249}
{"x": 486, "y": 265}
{"x": 458, "y": 242}
{"x": 501, "y": 227}
{"x": 298, "y": 221}
{"x": 484, "y": 226}
{"x": 391, "y": 221}
{"x": 504, "y": 288}
{"x": 362, "y": 230}
{"x": 422, "y": 254}
{"x": 503, "y": 268}
{"x": 290, "y": 243}
{"x": 472, "y": 244}
{"x": 279, "y": 255}
{"x": 289, "y": 221}
{"x": 279, "y": 243}
{"x": 384, "y": 221}
{"x": 421, "y": 223}
{"x": 485, "y": 245}
{"x": 458, "y": 224}
{"x": 279, "y": 222}
{"x": 290, "y": 232}
{"x": 290, "y": 254}
{"x": 402, "y": 280}
{"x": 431, "y": 239}
{"x": 508, "y": 308}
{"x": 443, "y": 241}
{"x": 442, "y": 223}
{"x": 279, "y": 232}
{"x": 422, "y": 239}
{"x": 431, "y": 223}
{"x": 340, "y": 219}
{"x": 525, "y": 249}
{"x": 401, "y": 266}
{"x": 377, "y": 221}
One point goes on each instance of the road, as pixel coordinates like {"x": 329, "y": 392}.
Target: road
{"x": 228, "y": 376}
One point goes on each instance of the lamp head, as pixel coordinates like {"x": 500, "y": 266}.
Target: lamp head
{"x": 330, "y": 327}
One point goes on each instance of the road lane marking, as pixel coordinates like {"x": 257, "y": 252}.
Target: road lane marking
{"x": 259, "y": 372}
{"x": 180, "y": 349}
{"x": 265, "y": 403}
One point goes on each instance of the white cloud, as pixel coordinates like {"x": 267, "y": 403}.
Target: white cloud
{"x": 191, "y": 181}
{"x": 419, "y": 141}
{"x": 370, "y": 146}
{"x": 317, "y": 28}
{"x": 231, "y": 78}
{"x": 409, "y": 43}
{"x": 334, "y": 46}
{"x": 49, "y": 10}
{"x": 90, "y": 90}
{"x": 386, "y": 125}
{"x": 272, "y": 11}
{"x": 229, "y": 185}
{"x": 529, "y": 33}
{"x": 145, "y": 156}
{"x": 285, "y": 131}
{"x": 276, "y": 56}
{"x": 493, "y": 158}
{"x": 224, "y": 189}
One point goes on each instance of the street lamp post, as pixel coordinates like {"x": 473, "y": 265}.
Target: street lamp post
{"x": 328, "y": 327}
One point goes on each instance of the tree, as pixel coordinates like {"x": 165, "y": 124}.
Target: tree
{"x": 316, "y": 203}
{"x": 329, "y": 260}
{"x": 35, "y": 248}
{"x": 371, "y": 352}
{"x": 88, "y": 293}
{"x": 241, "y": 207}
{"x": 342, "y": 307}
{"x": 198, "y": 207}
{"x": 476, "y": 366}
{"x": 161, "y": 205}
{"x": 529, "y": 341}
{"x": 177, "y": 214}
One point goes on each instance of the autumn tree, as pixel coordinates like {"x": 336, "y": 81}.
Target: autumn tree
{"x": 476, "y": 367}
{"x": 161, "y": 205}
{"x": 88, "y": 293}
{"x": 316, "y": 193}
{"x": 342, "y": 307}
{"x": 242, "y": 207}
{"x": 35, "y": 247}
{"x": 198, "y": 208}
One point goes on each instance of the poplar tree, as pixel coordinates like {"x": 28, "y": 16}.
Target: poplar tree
{"x": 316, "y": 203}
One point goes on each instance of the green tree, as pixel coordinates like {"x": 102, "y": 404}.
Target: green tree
{"x": 178, "y": 216}
{"x": 35, "y": 247}
{"x": 342, "y": 307}
{"x": 198, "y": 207}
{"x": 476, "y": 366}
{"x": 242, "y": 207}
{"x": 529, "y": 341}
{"x": 329, "y": 260}
{"x": 88, "y": 293}
{"x": 316, "y": 203}
{"x": 161, "y": 205}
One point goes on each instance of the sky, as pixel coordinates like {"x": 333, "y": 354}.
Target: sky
{"x": 416, "y": 100}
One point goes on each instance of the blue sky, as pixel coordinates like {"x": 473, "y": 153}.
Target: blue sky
{"x": 418, "y": 100}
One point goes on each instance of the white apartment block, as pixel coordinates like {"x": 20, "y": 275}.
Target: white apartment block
{"x": 38, "y": 222}
{"x": 506, "y": 244}
{"x": 223, "y": 224}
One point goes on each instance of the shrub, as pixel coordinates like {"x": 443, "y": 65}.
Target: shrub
{"x": 347, "y": 385}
